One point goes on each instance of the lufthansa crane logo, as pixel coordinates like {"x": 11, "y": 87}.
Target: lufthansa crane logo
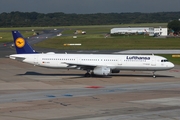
{"x": 20, "y": 42}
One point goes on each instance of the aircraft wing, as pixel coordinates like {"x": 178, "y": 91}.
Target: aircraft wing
{"x": 81, "y": 66}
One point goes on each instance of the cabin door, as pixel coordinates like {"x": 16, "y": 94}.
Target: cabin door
{"x": 35, "y": 60}
{"x": 120, "y": 62}
{"x": 78, "y": 60}
{"x": 153, "y": 62}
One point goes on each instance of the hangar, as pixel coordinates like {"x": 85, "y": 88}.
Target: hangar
{"x": 140, "y": 30}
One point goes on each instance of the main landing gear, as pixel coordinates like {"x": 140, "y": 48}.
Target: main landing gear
{"x": 88, "y": 74}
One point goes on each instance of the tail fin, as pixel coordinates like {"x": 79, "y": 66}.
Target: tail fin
{"x": 22, "y": 46}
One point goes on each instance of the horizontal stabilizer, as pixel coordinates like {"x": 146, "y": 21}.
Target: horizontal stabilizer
{"x": 17, "y": 58}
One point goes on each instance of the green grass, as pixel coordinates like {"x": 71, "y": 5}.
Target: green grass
{"x": 5, "y": 33}
{"x": 98, "y": 42}
{"x": 95, "y": 39}
{"x": 7, "y": 36}
{"x": 119, "y": 25}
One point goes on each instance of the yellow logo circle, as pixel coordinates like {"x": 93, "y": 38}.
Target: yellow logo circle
{"x": 20, "y": 42}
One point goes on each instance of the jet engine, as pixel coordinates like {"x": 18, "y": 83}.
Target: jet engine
{"x": 101, "y": 70}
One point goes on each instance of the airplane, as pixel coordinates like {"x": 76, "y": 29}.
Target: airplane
{"x": 94, "y": 64}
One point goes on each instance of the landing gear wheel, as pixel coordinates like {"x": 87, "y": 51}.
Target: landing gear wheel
{"x": 87, "y": 75}
{"x": 92, "y": 74}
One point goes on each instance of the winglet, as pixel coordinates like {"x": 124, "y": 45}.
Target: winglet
{"x": 22, "y": 46}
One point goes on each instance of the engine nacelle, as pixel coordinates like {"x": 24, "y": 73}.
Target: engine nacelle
{"x": 115, "y": 71}
{"x": 101, "y": 70}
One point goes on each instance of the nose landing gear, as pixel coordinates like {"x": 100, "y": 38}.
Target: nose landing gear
{"x": 154, "y": 76}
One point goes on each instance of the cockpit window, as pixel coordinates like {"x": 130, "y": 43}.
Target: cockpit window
{"x": 165, "y": 60}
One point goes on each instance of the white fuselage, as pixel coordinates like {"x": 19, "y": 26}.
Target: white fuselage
{"x": 114, "y": 62}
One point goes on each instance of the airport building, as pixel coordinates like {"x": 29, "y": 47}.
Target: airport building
{"x": 140, "y": 30}
{"x": 161, "y": 31}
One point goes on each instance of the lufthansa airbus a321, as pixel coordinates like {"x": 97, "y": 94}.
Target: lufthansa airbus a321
{"x": 94, "y": 64}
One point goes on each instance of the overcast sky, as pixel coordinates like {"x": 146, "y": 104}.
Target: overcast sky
{"x": 90, "y": 6}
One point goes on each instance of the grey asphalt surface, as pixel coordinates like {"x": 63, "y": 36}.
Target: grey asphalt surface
{"x": 79, "y": 92}
{"x": 33, "y": 93}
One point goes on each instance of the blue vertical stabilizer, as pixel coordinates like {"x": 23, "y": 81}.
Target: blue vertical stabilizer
{"x": 22, "y": 46}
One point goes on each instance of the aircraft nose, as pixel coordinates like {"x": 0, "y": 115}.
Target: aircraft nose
{"x": 171, "y": 65}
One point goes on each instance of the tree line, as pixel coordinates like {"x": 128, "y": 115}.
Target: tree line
{"x": 29, "y": 19}
{"x": 174, "y": 26}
